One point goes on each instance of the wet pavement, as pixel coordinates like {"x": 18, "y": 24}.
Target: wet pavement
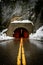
{"x": 33, "y": 52}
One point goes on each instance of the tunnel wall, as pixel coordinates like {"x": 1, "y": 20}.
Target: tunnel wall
{"x": 13, "y": 26}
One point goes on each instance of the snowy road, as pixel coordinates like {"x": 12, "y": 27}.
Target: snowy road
{"x": 33, "y": 52}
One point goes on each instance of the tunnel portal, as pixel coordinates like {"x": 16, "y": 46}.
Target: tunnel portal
{"x": 21, "y": 32}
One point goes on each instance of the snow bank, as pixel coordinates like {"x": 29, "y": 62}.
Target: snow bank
{"x": 38, "y": 35}
{"x": 3, "y": 36}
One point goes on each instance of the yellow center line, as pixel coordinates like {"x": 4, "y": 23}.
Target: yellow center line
{"x": 21, "y": 53}
{"x": 23, "y": 57}
{"x": 19, "y": 56}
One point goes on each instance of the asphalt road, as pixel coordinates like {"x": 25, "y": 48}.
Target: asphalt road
{"x": 33, "y": 52}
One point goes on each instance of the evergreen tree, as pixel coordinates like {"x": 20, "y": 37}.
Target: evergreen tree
{"x": 38, "y": 7}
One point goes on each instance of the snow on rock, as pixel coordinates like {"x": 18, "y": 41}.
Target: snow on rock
{"x": 38, "y": 35}
{"x": 3, "y": 31}
{"x": 23, "y": 21}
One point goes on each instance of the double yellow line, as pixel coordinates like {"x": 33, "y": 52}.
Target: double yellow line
{"x": 21, "y": 54}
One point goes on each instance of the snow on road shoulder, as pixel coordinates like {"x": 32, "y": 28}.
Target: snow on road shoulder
{"x": 37, "y": 43}
{"x": 38, "y": 35}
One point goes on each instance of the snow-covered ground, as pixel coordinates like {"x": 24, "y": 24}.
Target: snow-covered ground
{"x": 38, "y": 35}
{"x": 3, "y": 36}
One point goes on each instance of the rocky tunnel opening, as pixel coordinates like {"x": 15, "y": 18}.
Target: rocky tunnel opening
{"x": 21, "y": 33}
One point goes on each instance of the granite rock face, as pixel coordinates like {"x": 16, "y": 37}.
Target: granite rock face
{"x": 15, "y": 8}
{"x": 21, "y": 9}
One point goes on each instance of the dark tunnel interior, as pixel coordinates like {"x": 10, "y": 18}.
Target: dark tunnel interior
{"x": 21, "y": 32}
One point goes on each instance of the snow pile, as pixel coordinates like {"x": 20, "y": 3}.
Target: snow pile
{"x": 38, "y": 35}
{"x": 3, "y": 36}
{"x": 23, "y": 21}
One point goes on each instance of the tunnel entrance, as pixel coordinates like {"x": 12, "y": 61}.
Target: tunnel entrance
{"x": 21, "y": 32}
